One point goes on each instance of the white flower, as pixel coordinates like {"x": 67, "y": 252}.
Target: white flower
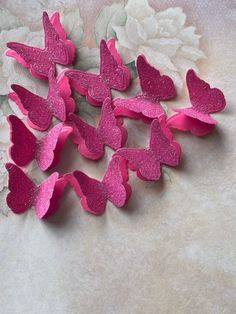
{"x": 161, "y": 36}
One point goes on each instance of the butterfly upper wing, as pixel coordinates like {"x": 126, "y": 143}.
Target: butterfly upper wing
{"x": 153, "y": 84}
{"x": 87, "y": 137}
{"x": 204, "y": 98}
{"x": 23, "y": 142}
{"x": 165, "y": 149}
{"x": 115, "y": 180}
{"x": 110, "y": 132}
{"x": 143, "y": 161}
{"x": 54, "y": 45}
{"x": 91, "y": 192}
{"x": 22, "y": 189}
{"x": 112, "y": 72}
{"x": 39, "y": 113}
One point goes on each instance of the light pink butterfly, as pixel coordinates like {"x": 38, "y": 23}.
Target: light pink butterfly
{"x": 91, "y": 140}
{"x": 204, "y": 100}
{"x": 95, "y": 194}
{"x": 24, "y": 194}
{"x": 57, "y": 49}
{"x": 25, "y": 146}
{"x": 113, "y": 75}
{"x": 162, "y": 150}
{"x": 40, "y": 111}
{"x": 155, "y": 87}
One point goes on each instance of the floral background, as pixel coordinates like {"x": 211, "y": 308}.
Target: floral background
{"x": 172, "y": 250}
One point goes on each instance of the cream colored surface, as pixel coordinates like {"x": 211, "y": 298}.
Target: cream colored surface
{"x": 172, "y": 250}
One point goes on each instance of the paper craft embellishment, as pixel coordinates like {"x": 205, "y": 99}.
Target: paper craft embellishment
{"x": 113, "y": 75}
{"x": 95, "y": 194}
{"x": 91, "y": 140}
{"x": 40, "y": 111}
{"x": 57, "y": 49}
{"x": 155, "y": 87}
{"x": 24, "y": 194}
{"x": 26, "y": 147}
{"x": 204, "y": 100}
{"x": 162, "y": 150}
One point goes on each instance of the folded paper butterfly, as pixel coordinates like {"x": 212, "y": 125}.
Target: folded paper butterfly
{"x": 57, "y": 49}
{"x": 91, "y": 140}
{"x": 162, "y": 150}
{"x": 155, "y": 87}
{"x": 40, "y": 111}
{"x": 24, "y": 194}
{"x": 25, "y": 146}
{"x": 95, "y": 194}
{"x": 204, "y": 100}
{"x": 113, "y": 75}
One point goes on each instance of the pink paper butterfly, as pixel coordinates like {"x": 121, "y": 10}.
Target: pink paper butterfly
{"x": 40, "y": 111}
{"x": 113, "y": 74}
{"x": 91, "y": 140}
{"x": 95, "y": 194}
{"x": 24, "y": 194}
{"x": 26, "y": 147}
{"x": 204, "y": 100}
{"x": 154, "y": 86}
{"x": 162, "y": 150}
{"x": 57, "y": 49}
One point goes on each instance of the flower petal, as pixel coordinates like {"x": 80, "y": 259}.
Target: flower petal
{"x": 139, "y": 9}
{"x": 135, "y": 31}
{"x": 191, "y": 53}
{"x": 168, "y": 46}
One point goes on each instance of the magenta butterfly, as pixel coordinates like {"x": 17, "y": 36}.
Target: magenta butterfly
{"x": 95, "y": 194}
{"x": 57, "y": 49}
{"x": 204, "y": 100}
{"x": 26, "y": 147}
{"x": 40, "y": 111}
{"x": 24, "y": 194}
{"x": 162, "y": 150}
{"x": 113, "y": 75}
{"x": 91, "y": 140}
{"x": 155, "y": 87}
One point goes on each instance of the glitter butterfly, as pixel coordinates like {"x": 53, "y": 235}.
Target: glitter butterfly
{"x": 25, "y": 146}
{"x": 91, "y": 140}
{"x": 24, "y": 194}
{"x": 204, "y": 100}
{"x": 57, "y": 49}
{"x": 155, "y": 87}
{"x": 113, "y": 75}
{"x": 95, "y": 194}
{"x": 162, "y": 150}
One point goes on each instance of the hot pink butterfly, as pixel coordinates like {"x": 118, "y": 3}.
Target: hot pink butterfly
{"x": 57, "y": 49}
{"x": 204, "y": 100}
{"x": 24, "y": 194}
{"x": 113, "y": 75}
{"x": 95, "y": 194}
{"x": 155, "y": 87}
{"x": 25, "y": 146}
{"x": 40, "y": 111}
{"x": 91, "y": 140}
{"x": 162, "y": 150}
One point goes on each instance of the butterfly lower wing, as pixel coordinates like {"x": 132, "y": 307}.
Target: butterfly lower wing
{"x": 91, "y": 192}
{"x": 23, "y": 142}
{"x": 153, "y": 84}
{"x": 22, "y": 189}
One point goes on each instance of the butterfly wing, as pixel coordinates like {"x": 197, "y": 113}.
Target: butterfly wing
{"x": 153, "y": 84}
{"x": 143, "y": 161}
{"x": 90, "y": 191}
{"x": 87, "y": 137}
{"x": 36, "y": 107}
{"x": 66, "y": 92}
{"x": 22, "y": 189}
{"x": 110, "y": 132}
{"x": 112, "y": 71}
{"x": 118, "y": 190}
{"x": 23, "y": 142}
{"x": 165, "y": 149}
